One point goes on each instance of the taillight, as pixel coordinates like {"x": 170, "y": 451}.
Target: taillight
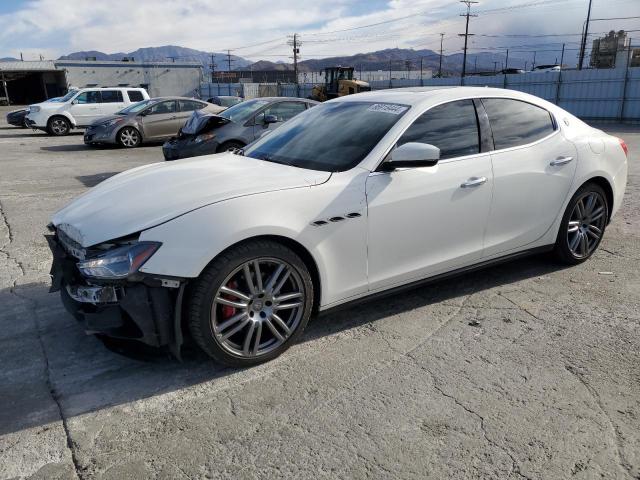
{"x": 624, "y": 147}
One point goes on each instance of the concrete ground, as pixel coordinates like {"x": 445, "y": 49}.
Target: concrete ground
{"x": 525, "y": 370}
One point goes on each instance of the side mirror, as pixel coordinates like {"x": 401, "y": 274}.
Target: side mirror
{"x": 270, "y": 119}
{"x": 413, "y": 154}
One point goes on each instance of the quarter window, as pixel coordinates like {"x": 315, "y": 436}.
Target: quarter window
{"x": 452, "y": 127}
{"x": 135, "y": 95}
{"x": 514, "y": 122}
{"x": 111, "y": 96}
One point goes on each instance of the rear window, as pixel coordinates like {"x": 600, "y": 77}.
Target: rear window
{"x": 190, "y": 105}
{"x": 111, "y": 96}
{"x": 514, "y": 122}
{"x": 135, "y": 95}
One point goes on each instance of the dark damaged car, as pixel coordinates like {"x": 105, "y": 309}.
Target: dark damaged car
{"x": 234, "y": 128}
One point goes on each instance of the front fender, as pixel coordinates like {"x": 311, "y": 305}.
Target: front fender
{"x": 192, "y": 241}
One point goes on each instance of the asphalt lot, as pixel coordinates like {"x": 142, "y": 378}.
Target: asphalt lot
{"x": 525, "y": 370}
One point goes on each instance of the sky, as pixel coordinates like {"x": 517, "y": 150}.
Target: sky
{"x": 259, "y": 29}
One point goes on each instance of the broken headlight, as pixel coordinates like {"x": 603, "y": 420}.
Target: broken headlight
{"x": 119, "y": 262}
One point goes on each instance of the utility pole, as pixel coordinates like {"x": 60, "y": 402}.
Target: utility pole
{"x": 390, "y": 73}
{"x": 229, "y": 71}
{"x": 440, "y": 65}
{"x": 585, "y": 32}
{"x": 475, "y": 65}
{"x": 533, "y": 64}
{"x": 506, "y": 63}
{"x": 421, "y": 81}
{"x": 212, "y": 66}
{"x": 295, "y": 44}
{"x": 408, "y": 65}
{"x": 466, "y": 33}
{"x": 495, "y": 67}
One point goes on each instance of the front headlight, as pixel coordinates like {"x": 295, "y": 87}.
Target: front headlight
{"x": 34, "y": 109}
{"x": 119, "y": 262}
{"x": 110, "y": 123}
{"x": 204, "y": 137}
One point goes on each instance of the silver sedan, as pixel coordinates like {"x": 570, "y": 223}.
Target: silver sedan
{"x": 151, "y": 120}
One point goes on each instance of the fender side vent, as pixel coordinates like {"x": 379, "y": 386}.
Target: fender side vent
{"x": 336, "y": 219}
{"x": 353, "y": 215}
{"x": 318, "y": 223}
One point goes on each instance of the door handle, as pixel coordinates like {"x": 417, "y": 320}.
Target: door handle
{"x": 560, "y": 161}
{"x": 474, "y": 182}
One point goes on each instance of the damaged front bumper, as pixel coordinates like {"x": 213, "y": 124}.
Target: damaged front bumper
{"x": 146, "y": 308}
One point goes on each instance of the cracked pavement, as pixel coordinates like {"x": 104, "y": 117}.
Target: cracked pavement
{"x": 524, "y": 370}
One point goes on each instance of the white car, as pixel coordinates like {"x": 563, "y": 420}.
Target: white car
{"x": 80, "y": 108}
{"x": 355, "y": 197}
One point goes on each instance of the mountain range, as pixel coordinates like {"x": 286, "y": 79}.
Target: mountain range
{"x": 394, "y": 58}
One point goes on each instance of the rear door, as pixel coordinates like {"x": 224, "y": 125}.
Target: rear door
{"x": 112, "y": 102}
{"x": 185, "y": 109}
{"x": 427, "y": 220}
{"x": 533, "y": 168}
{"x": 85, "y": 108}
{"x": 159, "y": 120}
{"x": 283, "y": 111}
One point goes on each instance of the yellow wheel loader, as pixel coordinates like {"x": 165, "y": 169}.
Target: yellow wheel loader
{"x": 338, "y": 82}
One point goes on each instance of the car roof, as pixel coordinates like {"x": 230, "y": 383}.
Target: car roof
{"x": 281, "y": 99}
{"x": 423, "y": 96}
{"x": 110, "y": 88}
{"x": 176, "y": 98}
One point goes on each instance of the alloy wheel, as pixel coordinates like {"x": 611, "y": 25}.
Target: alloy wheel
{"x": 59, "y": 126}
{"x": 586, "y": 224}
{"x": 258, "y": 307}
{"x": 129, "y": 137}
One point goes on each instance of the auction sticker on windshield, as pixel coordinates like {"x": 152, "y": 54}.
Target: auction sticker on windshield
{"x": 388, "y": 108}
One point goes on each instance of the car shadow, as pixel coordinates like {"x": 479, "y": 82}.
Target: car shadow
{"x": 93, "y": 180}
{"x": 83, "y": 374}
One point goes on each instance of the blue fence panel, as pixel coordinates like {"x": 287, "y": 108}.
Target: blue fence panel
{"x": 593, "y": 94}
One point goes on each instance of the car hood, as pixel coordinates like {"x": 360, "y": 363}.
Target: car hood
{"x": 147, "y": 196}
{"x": 105, "y": 119}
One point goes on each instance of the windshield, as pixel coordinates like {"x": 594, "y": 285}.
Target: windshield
{"x": 331, "y": 137}
{"x": 242, "y": 112}
{"x": 66, "y": 98}
{"x": 136, "y": 107}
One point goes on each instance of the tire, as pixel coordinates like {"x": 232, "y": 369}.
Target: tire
{"x": 58, "y": 126}
{"x": 129, "y": 137}
{"x": 230, "y": 146}
{"x": 240, "y": 332}
{"x": 583, "y": 225}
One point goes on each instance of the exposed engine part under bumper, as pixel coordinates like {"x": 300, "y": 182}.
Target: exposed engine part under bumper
{"x": 143, "y": 310}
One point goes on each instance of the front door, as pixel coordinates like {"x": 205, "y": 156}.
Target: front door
{"x": 283, "y": 111}
{"x": 533, "y": 168}
{"x": 424, "y": 221}
{"x": 159, "y": 120}
{"x": 85, "y": 108}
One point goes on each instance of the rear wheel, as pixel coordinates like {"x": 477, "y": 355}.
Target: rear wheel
{"x": 583, "y": 225}
{"x": 230, "y": 146}
{"x": 58, "y": 126}
{"x": 251, "y": 303}
{"x": 129, "y": 137}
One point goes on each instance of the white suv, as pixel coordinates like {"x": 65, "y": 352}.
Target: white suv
{"x": 79, "y": 108}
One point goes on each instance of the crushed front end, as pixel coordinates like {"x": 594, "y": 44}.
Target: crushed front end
{"x": 103, "y": 289}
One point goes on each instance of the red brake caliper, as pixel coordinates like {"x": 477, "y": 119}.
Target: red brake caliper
{"x": 227, "y": 311}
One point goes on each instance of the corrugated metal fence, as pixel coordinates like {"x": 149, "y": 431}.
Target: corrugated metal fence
{"x": 591, "y": 94}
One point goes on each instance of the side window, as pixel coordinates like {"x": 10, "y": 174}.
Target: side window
{"x": 452, "y": 127}
{"x": 285, "y": 110}
{"x": 514, "y": 122}
{"x": 111, "y": 96}
{"x": 88, "y": 97}
{"x": 162, "y": 108}
{"x": 135, "y": 95}
{"x": 190, "y": 105}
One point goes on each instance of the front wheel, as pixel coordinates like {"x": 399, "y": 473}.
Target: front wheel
{"x": 583, "y": 225}
{"x": 58, "y": 126}
{"x": 251, "y": 303}
{"x": 129, "y": 137}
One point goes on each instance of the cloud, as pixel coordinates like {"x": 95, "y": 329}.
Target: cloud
{"x": 52, "y": 27}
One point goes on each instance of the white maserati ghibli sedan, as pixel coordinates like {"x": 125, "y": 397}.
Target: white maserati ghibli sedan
{"x": 355, "y": 197}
